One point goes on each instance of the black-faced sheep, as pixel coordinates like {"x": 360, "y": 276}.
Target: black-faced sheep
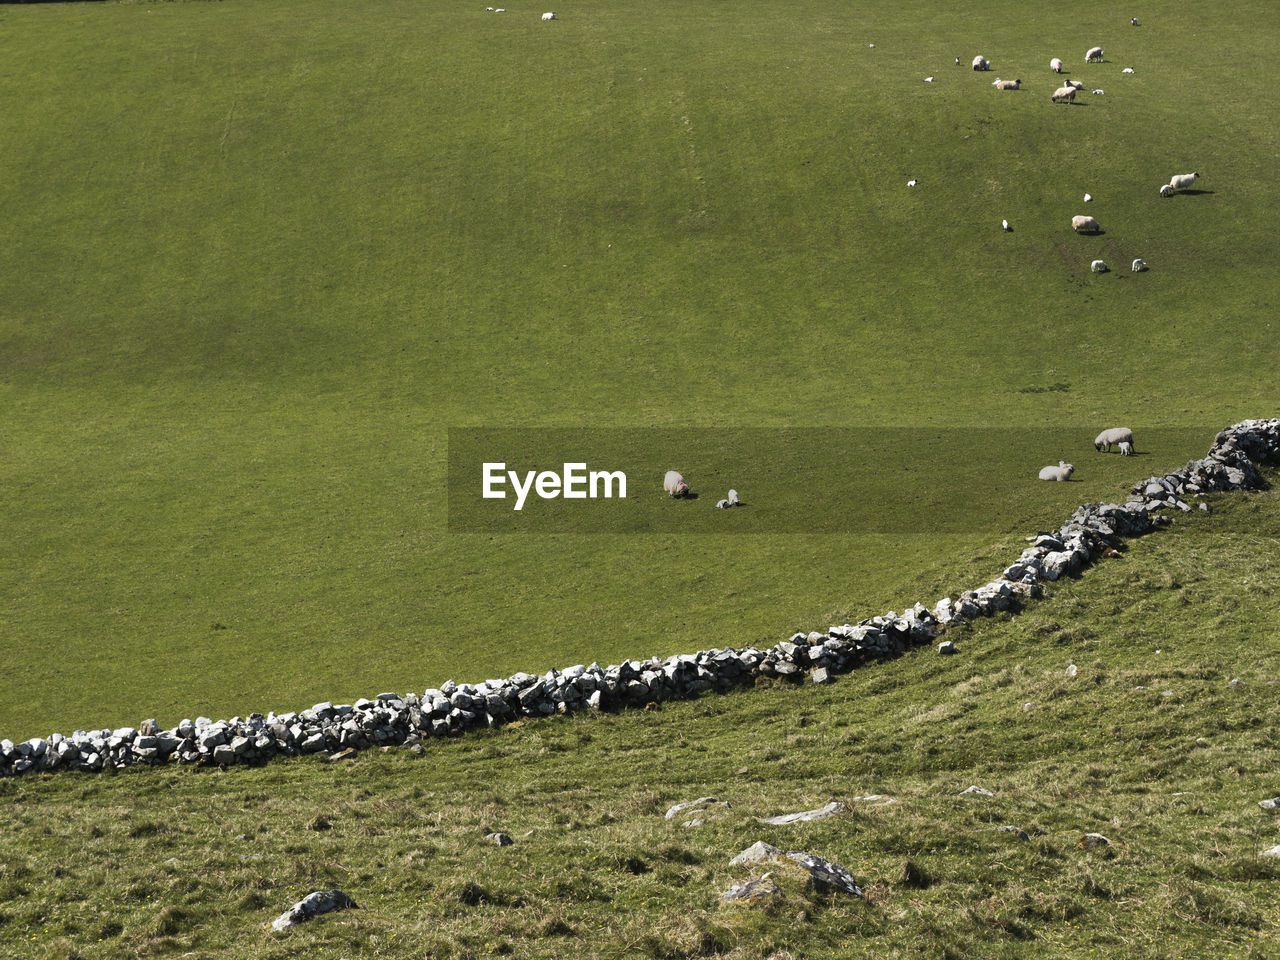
{"x": 1006, "y": 84}
{"x": 1183, "y": 181}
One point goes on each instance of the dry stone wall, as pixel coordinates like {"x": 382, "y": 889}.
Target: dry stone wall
{"x": 406, "y": 719}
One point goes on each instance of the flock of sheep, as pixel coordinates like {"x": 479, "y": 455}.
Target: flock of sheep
{"x": 674, "y": 484}
{"x": 1121, "y": 437}
{"x": 1065, "y": 94}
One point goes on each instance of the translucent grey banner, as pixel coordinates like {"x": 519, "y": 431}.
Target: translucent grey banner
{"x": 792, "y": 480}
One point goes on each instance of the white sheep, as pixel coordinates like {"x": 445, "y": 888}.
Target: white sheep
{"x": 1055, "y": 65}
{"x": 1126, "y": 448}
{"x": 1088, "y": 198}
{"x": 548, "y": 16}
{"x": 723, "y": 504}
{"x": 1074, "y": 84}
{"x": 981, "y": 63}
{"x": 733, "y": 498}
{"x": 674, "y": 484}
{"x": 1106, "y": 438}
{"x": 1166, "y": 190}
{"x": 1092, "y": 54}
{"x": 1183, "y": 181}
{"x": 1061, "y": 472}
{"x": 1005, "y": 225}
{"x": 1063, "y": 93}
{"x": 1083, "y": 224}
{"x": 1138, "y": 265}
{"x": 1099, "y": 93}
{"x": 1099, "y": 266}
{"x": 1127, "y": 70}
{"x": 1006, "y": 84}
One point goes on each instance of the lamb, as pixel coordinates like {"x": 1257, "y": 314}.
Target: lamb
{"x": 1115, "y": 435}
{"x": 1183, "y": 181}
{"x": 1055, "y": 65}
{"x": 1099, "y": 266}
{"x": 1166, "y": 190}
{"x": 1083, "y": 224}
{"x": 1062, "y": 472}
{"x": 1063, "y": 93}
{"x": 1126, "y": 448}
{"x": 674, "y": 484}
{"x": 1138, "y": 265}
{"x": 1074, "y": 84}
{"x": 1006, "y": 84}
{"x": 981, "y": 63}
{"x": 548, "y": 16}
{"x": 733, "y": 498}
{"x": 1092, "y": 54}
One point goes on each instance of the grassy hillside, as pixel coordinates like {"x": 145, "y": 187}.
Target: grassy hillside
{"x": 261, "y": 255}
{"x": 1163, "y": 741}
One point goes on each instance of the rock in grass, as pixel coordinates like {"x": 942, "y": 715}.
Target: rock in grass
{"x": 1273, "y": 852}
{"x": 1090, "y": 840}
{"x": 1272, "y": 804}
{"x": 977, "y": 791}
{"x": 1016, "y": 831}
{"x": 501, "y": 839}
{"x": 946, "y": 646}
{"x": 825, "y": 874}
{"x": 830, "y": 810}
{"x": 313, "y": 904}
{"x": 758, "y": 852}
{"x": 689, "y": 805}
{"x": 752, "y": 893}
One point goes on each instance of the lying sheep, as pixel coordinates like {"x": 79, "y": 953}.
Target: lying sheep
{"x": 1098, "y": 266}
{"x": 1063, "y": 93}
{"x": 1074, "y": 84}
{"x": 1062, "y": 472}
{"x": 1006, "y": 84}
{"x": 1055, "y": 65}
{"x": 981, "y": 63}
{"x": 1083, "y": 224}
{"x": 1092, "y": 54}
{"x": 1126, "y": 448}
{"x": 674, "y": 484}
{"x": 1183, "y": 181}
{"x": 548, "y": 16}
{"x": 1115, "y": 435}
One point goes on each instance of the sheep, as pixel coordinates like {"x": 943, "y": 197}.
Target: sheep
{"x": 1088, "y": 198}
{"x": 1166, "y": 190}
{"x": 1007, "y": 84}
{"x": 1138, "y": 265}
{"x": 674, "y": 484}
{"x": 733, "y": 498}
{"x": 1126, "y": 448}
{"x": 1114, "y": 435}
{"x": 1083, "y": 224}
{"x": 1098, "y": 93}
{"x": 723, "y": 504}
{"x": 1055, "y": 65}
{"x": 1099, "y": 266}
{"x": 1183, "y": 181}
{"x": 1061, "y": 473}
{"x": 981, "y": 63}
{"x": 1063, "y": 93}
{"x": 1005, "y": 225}
{"x": 1092, "y": 54}
{"x": 1074, "y": 84}
{"x": 1127, "y": 70}
{"x": 911, "y": 183}
{"x": 548, "y": 16}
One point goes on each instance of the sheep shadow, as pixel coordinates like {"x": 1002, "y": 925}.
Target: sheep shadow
{"x": 1192, "y": 193}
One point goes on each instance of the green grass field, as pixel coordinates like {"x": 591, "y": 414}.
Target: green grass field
{"x": 1163, "y": 741}
{"x": 260, "y": 256}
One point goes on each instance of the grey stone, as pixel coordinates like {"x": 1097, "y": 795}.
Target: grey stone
{"x": 820, "y": 675}
{"x": 978, "y": 791}
{"x": 1016, "y": 831}
{"x": 224, "y": 754}
{"x": 758, "y": 852}
{"x": 499, "y": 839}
{"x": 946, "y": 646}
{"x": 313, "y": 904}
{"x": 825, "y": 874}
{"x": 830, "y": 810}
{"x": 752, "y": 892}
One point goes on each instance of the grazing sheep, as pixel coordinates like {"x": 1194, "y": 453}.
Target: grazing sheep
{"x": 674, "y": 484}
{"x": 1006, "y": 84}
{"x": 1083, "y": 224}
{"x": 981, "y": 63}
{"x": 1183, "y": 181}
{"x": 1062, "y": 472}
{"x": 1063, "y": 93}
{"x": 1099, "y": 266}
{"x": 548, "y": 16}
{"x": 1126, "y": 448}
{"x": 1167, "y": 190}
{"x": 1138, "y": 265}
{"x": 1055, "y": 65}
{"x": 1115, "y": 435}
{"x": 1074, "y": 84}
{"x": 1092, "y": 54}
{"x": 1133, "y": 21}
